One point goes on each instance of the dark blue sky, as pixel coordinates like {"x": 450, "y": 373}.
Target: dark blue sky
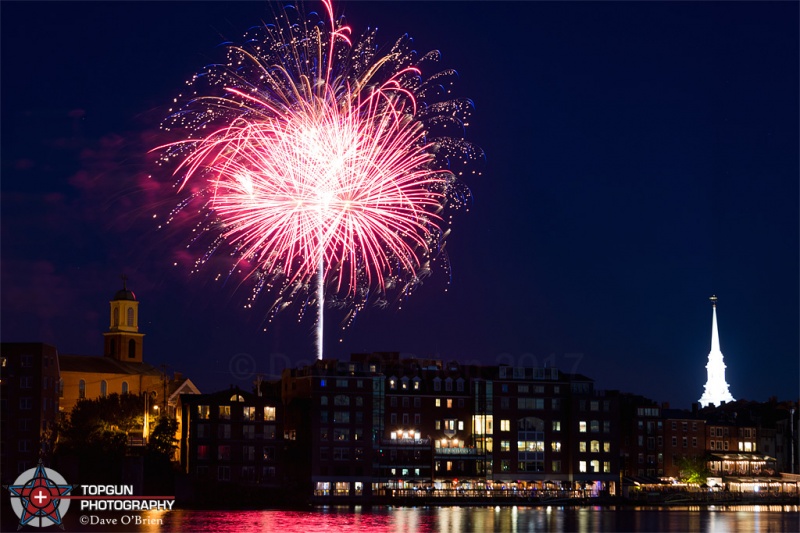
{"x": 640, "y": 157}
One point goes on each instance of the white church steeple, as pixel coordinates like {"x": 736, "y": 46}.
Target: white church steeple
{"x": 716, "y": 390}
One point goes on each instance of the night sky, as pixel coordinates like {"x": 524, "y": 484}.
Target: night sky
{"x": 640, "y": 157}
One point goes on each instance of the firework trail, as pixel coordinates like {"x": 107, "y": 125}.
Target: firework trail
{"x": 313, "y": 161}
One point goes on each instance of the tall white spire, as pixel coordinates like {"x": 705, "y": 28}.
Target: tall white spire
{"x": 716, "y": 389}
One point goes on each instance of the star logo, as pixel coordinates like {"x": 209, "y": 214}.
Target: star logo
{"x": 36, "y": 497}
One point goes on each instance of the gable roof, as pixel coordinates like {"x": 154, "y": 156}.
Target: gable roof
{"x": 104, "y": 365}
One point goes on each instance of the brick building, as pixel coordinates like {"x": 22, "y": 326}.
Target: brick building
{"x": 684, "y": 439}
{"x": 29, "y": 401}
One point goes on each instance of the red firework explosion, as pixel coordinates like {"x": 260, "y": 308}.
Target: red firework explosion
{"x": 316, "y": 156}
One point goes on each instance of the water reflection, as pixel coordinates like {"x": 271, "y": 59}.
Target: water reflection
{"x": 484, "y": 519}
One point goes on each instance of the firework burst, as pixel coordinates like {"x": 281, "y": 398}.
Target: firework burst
{"x": 309, "y": 159}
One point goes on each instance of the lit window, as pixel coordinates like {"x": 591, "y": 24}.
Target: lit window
{"x": 582, "y": 429}
{"x": 269, "y": 413}
{"x": 582, "y": 466}
{"x": 582, "y": 447}
{"x": 556, "y": 425}
{"x": 556, "y": 446}
{"x": 505, "y": 425}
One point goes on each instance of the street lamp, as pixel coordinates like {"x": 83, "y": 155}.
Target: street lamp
{"x": 146, "y": 429}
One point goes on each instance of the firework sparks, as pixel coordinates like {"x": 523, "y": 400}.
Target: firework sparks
{"x": 315, "y": 159}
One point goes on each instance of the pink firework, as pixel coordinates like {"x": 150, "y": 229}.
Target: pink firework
{"x": 317, "y": 156}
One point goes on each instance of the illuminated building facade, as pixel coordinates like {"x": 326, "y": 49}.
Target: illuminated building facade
{"x": 232, "y": 436}
{"x": 377, "y": 424}
{"x": 121, "y": 370}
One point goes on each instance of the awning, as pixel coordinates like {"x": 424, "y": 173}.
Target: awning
{"x": 743, "y": 456}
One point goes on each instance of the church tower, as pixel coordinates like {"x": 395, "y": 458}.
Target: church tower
{"x": 123, "y": 341}
{"x": 716, "y": 390}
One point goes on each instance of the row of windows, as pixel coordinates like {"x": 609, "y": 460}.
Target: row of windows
{"x": 341, "y": 454}
{"x": 129, "y": 316}
{"x": 344, "y": 400}
{"x": 248, "y": 473}
{"x": 203, "y": 431}
{"x": 26, "y": 404}
{"x": 684, "y": 426}
{"x": 342, "y": 383}
{"x": 26, "y": 382}
{"x": 131, "y": 348}
{"x": 249, "y": 412}
{"x": 103, "y": 388}
{"x": 406, "y": 419}
{"x": 555, "y": 466}
{"x": 594, "y": 446}
{"x": 224, "y": 452}
{"x": 415, "y": 384}
{"x": 684, "y": 442}
{"x": 343, "y": 417}
{"x": 526, "y": 389}
{"x": 594, "y": 405}
{"x": 341, "y": 434}
{"x": 594, "y": 426}
{"x": 519, "y": 372}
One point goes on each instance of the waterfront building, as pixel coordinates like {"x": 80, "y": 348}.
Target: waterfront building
{"x": 554, "y": 431}
{"x": 642, "y": 444}
{"x": 232, "y": 436}
{"x": 684, "y": 440}
{"x": 29, "y": 403}
{"x": 379, "y": 423}
{"x": 334, "y": 420}
{"x": 716, "y": 389}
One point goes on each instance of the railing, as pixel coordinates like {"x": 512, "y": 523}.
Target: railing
{"x": 484, "y": 494}
{"x": 456, "y": 451}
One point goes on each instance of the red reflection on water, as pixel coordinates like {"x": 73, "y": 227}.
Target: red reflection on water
{"x": 328, "y": 520}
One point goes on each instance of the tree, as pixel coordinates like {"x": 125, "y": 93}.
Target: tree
{"x": 693, "y": 469}
{"x": 162, "y": 438}
{"x": 102, "y": 421}
{"x": 96, "y": 435}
